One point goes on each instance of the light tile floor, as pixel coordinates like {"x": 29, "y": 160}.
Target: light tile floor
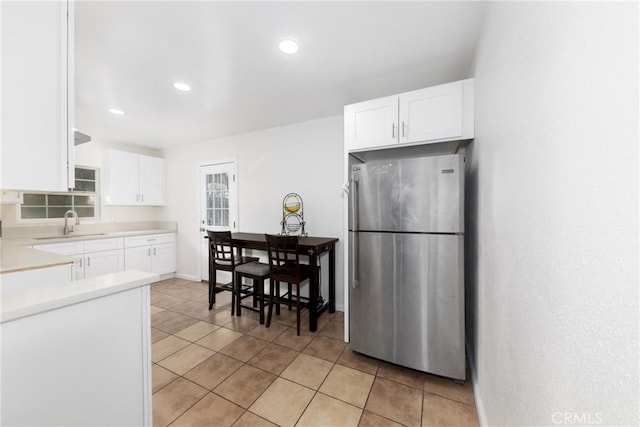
{"x": 212, "y": 369}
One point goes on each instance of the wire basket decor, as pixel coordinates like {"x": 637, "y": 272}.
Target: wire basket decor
{"x": 293, "y": 215}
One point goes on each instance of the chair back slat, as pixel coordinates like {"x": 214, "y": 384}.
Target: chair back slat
{"x": 284, "y": 259}
{"x": 220, "y": 247}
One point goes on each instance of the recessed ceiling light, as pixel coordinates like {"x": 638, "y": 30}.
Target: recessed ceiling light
{"x": 289, "y": 46}
{"x": 182, "y": 86}
{"x": 116, "y": 111}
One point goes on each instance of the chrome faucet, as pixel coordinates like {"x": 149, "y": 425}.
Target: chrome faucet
{"x": 69, "y": 228}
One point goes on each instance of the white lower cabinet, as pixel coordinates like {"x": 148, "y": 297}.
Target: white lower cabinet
{"x": 104, "y": 262}
{"x": 155, "y": 253}
{"x": 90, "y": 257}
{"x": 85, "y": 363}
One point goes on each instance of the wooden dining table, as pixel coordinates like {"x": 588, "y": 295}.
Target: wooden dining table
{"x": 313, "y": 247}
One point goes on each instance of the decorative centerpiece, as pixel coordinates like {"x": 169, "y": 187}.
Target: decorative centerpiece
{"x": 292, "y": 215}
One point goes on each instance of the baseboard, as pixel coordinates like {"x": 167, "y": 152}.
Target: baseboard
{"x": 188, "y": 277}
{"x": 340, "y": 307}
{"x": 482, "y": 416}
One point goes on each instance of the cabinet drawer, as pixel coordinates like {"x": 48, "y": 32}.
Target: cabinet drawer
{"x": 66, "y": 248}
{"x": 149, "y": 239}
{"x": 103, "y": 244}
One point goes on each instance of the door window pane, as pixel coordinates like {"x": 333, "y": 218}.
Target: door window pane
{"x": 218, "y": 198}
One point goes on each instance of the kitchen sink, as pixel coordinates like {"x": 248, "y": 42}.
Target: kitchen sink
{"x": 77, "y": 236}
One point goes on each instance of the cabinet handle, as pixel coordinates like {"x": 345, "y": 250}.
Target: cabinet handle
{"x": 154, "y": 251}
{"x": 403, "y": 126}
{"x": 393, "y": 130}
{"x": 80, "y": 262}
{"x": 88, "y": 261}
{"x": 149, "y": 251}
{"x": 142, "y": 197}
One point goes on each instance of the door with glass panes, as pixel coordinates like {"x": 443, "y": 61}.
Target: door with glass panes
{"x": 218, "y": 204}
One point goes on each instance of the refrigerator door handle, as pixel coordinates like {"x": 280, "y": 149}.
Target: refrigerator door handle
{"x": 354, "y": 222}
{"x": 355, "y": 267}
{"x": 354, "y": 200}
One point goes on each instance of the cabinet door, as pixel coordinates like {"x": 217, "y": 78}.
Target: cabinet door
{"x": 37, "y": 129}
{"x": 120, "y": 180}
{"x": 152, "y": 181}
{"x": 138, "y": 258}
{"x": 78, "y": 267}
{"x": 371, "y": 123}
{"x": 164, "y": 258}
{"x": 99, "y": 263}
{"x": 434, "y": 113}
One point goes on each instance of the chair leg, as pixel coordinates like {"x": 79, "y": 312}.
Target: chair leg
{"x": 258, "y": 289}
{"x": 212, "y": 287}
{"x": 236, "y": 294}
{"x": 290, "y": 299}
{"x": 278, "y": 306}
{"x": 233, "y": 293}
{"x": 272, "y": 288}
{"x": 298, "y": 307}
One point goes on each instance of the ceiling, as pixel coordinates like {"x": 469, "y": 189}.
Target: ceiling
{"x": 128, "y": 54}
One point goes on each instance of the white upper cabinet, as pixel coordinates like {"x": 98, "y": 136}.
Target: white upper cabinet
{"x": 37, "y": 95}
{"x": 436, "y": 114}
{"x": 120, "y": 178}
{"x": 372, "y": 123}
{"x": 152, "y": 180}
{"x": 131, "y": 179}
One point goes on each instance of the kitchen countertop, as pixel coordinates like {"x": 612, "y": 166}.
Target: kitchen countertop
{"x": 19, "y": 258}
{"x": 51, "y": 297}
{"x": 16, "y": 256}
{"x": 28, "y": 241}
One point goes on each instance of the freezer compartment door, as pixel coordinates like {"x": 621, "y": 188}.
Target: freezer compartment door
{"x": 406, "y": 300}
{"x": 410, "y": 195}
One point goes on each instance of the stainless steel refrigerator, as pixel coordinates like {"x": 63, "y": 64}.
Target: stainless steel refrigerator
{"x": 406, "y": 284}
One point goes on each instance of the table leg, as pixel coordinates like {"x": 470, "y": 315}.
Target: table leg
{"x": 314, "y": 287}
{"x": 332, "y": 279}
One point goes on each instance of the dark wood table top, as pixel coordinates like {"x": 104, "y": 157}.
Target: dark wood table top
{"x": 258, "y": 241}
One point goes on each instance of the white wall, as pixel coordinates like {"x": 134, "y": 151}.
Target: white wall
{"x": 552, "y": 220}
{"x": 305, "y": 158}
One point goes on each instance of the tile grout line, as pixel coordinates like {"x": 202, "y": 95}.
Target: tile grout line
{"x": 287, "y": 327}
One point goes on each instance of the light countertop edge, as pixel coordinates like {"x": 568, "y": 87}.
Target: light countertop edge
{"x": 16, "y": 255}
{"x": 51, "y": 297}
{"x": 28, "y": 241}
{"x": 19, "y": 258}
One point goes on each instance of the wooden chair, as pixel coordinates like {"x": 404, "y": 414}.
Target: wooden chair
{"x": 222, "y": 257}
{"x": 285, "y": 266}
{"x": 258, "y": 272}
